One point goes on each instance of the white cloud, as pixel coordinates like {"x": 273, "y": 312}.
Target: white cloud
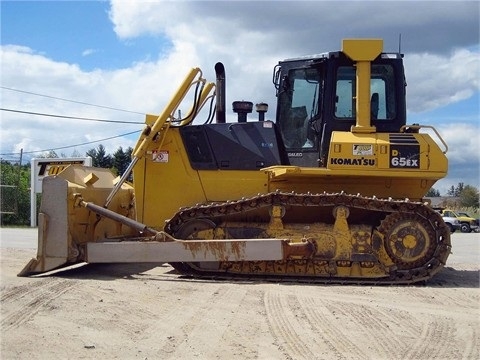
{"x": 88, "y": 52}
{"x": 436, "y": 80}
{"x": 25, "y": 70}
{"x": 133, "y": 18}
{"x": 463, "y": 141}
{"x": 305, "y": 24}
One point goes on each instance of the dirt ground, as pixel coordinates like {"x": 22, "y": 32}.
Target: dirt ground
{"x": 150, "y": 312}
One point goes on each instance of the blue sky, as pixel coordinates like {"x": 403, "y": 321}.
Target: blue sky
{"x": 132, "y": 55}
{"x": 77, "y": 32}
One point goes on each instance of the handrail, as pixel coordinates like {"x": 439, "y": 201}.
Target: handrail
{"x": 418, "y": 126}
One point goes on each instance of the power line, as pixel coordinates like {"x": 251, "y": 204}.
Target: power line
{"x": 71, "y": 117}
{"x": 68, "y": 100}
{"x": 71, "y": 146}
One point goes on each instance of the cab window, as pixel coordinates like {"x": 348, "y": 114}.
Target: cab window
{"x": 299, "y": 104}
{"x": 382, "y": 91}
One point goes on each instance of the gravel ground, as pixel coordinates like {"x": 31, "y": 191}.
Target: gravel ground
{"x": 145, "y": 311}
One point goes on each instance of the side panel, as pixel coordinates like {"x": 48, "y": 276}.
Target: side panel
{"x": 232, "y": 146}
{"x": 165, "y": 182}
{"x": 223, "y": 185}
{"x": 412, "y": 155}
{"x": 385, "y": 165}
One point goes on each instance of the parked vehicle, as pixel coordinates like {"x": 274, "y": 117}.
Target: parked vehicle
{"x": 452, "y": 222}
{"x": 477, "y": 220}
{"x": 467, "y": 223}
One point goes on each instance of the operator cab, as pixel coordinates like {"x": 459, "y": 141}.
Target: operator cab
{"x": 317, "y": 95}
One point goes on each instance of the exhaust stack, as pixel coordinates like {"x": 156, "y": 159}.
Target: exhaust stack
{"x": 220, "y": 89}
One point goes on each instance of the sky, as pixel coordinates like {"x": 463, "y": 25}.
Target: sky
{"x": 118, "y": 60}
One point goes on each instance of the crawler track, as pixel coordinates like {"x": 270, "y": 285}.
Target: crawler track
{"x": 409, "y": 241}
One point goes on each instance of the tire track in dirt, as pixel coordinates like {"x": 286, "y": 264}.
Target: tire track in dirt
{"x": 250, "y": 339}
{"x": 32, "y": 298}
{"x": 442, "y": 297}
{"x": 203, "y": 325}
{"x": 433, "y": 341}
{"x": 390, "y": 330}
{"x": 375, "y": 325}
{"x": 471, "y": 349}
{"x": 182, "y": 313}
{"x": 112, "y": 311}
{"x": 292, "y": 337}
{"x": 332, "y": 335}
{"x": 16, "y": 292}
{"x": 195, "y": 314}
{"x": 154, "y": 315}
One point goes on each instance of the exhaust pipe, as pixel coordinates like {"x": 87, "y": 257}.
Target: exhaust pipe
{"x": 220, "y": 89}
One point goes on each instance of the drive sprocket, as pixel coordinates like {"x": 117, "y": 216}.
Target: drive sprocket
{"x": 408, "y": 239}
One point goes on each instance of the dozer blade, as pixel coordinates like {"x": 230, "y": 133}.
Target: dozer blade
{"x": 52, "y": 251}
{"x": 64, "y": 228}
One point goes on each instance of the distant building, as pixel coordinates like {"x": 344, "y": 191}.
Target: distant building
{"x": 452, "y": 202}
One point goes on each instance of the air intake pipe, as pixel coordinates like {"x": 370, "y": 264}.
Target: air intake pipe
{"x": 261, "y": 108}
{"x": 242, "y": 108}
{"x": 220, "y": 95}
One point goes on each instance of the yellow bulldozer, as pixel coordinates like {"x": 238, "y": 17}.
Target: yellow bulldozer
{"x": 329, "y": 192}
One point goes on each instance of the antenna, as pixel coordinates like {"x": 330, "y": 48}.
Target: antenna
{"x": 400, "y": 43}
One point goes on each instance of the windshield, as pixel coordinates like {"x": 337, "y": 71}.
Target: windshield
{"x": 299, "y": 104}
{"x": 450, "y": 213}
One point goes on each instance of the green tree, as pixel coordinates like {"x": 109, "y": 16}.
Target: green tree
{"x": 456, "y": 190}
{"x": 100, "y": 158}
{"x": 121, "y": 160}
{"x": 48, "y": 155}
{"x": 129, "y": 152}
{"x": 433, "y": 193}
{"x": 459, "y": 188}
{"x": 15, "y": 193}
{"x": 469, "y": 196}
